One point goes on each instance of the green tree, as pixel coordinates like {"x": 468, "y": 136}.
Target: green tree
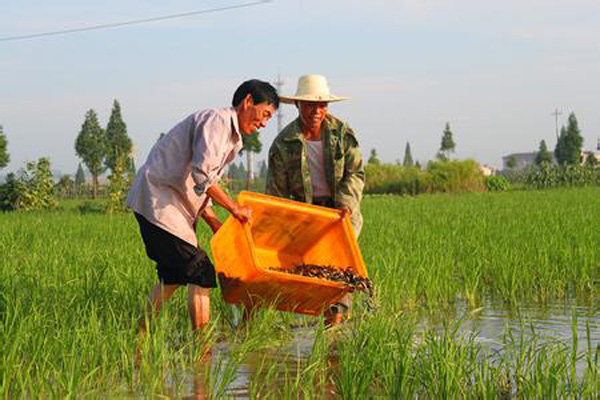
{"x": 447, "y": 146}
{"x": 65, "y": 186}
{"x": 591, "y": 161}
{"x": 373, "y": 159}
{"x": 131, "y": 170}
{"x": 263, "y": 169}
{"x": 232, "y": 170}
{"x": 90, "y": 146}
{"x": 569, "y": 144}
{"x": 4, "y": 156}
{"x": 511, "y": 162}
{"x": 408, "y": 160}
{"x": 251, "y": 145}
{"x": 241, "y": 171}
{"x": 10, "y": 192}
{"x": 118, "y": 142}
{"x": 543, "y": 155}
{"x": 559, "y": 150}
{"x": 79, "y": 179}
{"x": 117, "y": 187}
{"x": 36, "y": 186}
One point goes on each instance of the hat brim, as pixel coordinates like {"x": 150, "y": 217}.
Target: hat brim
{"x": 315, "y": 99}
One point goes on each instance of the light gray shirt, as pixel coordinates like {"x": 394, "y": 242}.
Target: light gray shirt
{"x": 170, "y": 188}
{"x": 316, "y": 166}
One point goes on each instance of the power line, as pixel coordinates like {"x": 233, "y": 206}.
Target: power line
{"x": 133, "y": 22}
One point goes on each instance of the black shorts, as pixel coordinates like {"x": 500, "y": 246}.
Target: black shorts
{"x": 177, "y": 261}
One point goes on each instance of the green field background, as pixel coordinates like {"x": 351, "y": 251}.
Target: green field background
{"x": 73, "y": 285}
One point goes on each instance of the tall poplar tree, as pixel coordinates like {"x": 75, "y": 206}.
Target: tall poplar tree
{"x": 408, "y": 160}
{"x": 447, "y": 146}
{"x": 373, "y": 159}
{"x": 79, "y": 179}
{"x": 90, "y": 146}
{"x": 569, "y": 144}
{"x": 252, "y": 144}
{"x": 118, "y": 142}
{"x": 543, "y": 155}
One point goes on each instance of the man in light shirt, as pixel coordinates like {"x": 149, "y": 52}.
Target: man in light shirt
{"x": 176, "y": 186}
{"x": 317, "y": 159}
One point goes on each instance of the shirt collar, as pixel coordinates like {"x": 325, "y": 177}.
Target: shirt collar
{"x": 236, "y": 128}
{"x": 295, "y": 129}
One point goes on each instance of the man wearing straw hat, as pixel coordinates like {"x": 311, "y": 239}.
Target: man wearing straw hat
{"x": 317, "y": 159}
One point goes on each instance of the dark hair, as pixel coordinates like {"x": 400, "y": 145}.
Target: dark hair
{"x": 261, "y": 92}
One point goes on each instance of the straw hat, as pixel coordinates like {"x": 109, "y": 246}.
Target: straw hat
{"x": 311, "y": 88}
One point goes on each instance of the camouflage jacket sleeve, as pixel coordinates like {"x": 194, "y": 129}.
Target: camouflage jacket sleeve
{"x": 276, "y": 173}
{"x": 350, "y": 188}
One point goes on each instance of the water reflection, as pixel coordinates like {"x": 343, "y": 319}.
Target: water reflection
{"x": 553, "y": 321}
{"x": 558, "y": 320}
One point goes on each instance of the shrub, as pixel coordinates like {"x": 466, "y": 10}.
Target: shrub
{"x": 31, "y": 189}
{"x": 92, "y": 207}
{"x": 388, "y": 178}
{"x": 497, "y": 183}
{"x": 455, "y": 176}
{"x": 118, "y": 187}
{"x": 549, "y": 176}
{"x": 440, "y": 176}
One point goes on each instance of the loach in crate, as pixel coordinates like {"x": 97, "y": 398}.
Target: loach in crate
{"x": 329, "y": 272}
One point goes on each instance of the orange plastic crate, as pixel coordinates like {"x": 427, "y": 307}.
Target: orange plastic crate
{"x": 284, "y": 233}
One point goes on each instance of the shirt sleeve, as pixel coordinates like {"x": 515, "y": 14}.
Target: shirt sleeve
{"x": 352, "y": 184}
{"x": 276, "y": 174}
{"x": 209, "y": 145}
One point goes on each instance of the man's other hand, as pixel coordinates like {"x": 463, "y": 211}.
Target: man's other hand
{"x": 242, "y": 214}
{"x": 345, "y": 211}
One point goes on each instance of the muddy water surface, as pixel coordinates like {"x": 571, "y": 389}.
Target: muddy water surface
{"x": 553, "y": 321}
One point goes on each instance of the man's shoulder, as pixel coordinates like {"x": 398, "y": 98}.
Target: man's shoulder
{"x": 222, "y": 114}
{"x": 339, "y": 127}
{"x": 335, "y": 123}
{"x": 289, "y": 133}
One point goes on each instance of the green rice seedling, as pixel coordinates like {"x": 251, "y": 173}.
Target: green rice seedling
{"x": 591, "y": 376}
{"x": 73, "y": 286}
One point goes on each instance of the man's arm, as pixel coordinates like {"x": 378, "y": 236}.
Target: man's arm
{"x": 210, "y": 217}
{"x": 353, "y": 181}
{"x": 217, "y": 194}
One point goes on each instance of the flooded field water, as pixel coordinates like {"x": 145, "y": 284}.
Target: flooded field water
{"x": 559, "y": 322}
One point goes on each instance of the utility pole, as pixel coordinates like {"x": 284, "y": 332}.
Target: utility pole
{"x": 278, "y": 84}
{"x": 556, "y": 113}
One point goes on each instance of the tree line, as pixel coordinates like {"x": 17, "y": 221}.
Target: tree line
{"x": 447, "y": 147}
{"x": 100, "y": 149}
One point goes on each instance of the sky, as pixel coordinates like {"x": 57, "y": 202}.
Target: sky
{"x": 495, "y": 71}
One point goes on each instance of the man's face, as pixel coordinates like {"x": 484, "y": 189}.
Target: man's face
{"x": 254, "y": 116}
{"x": 312, "y": 113}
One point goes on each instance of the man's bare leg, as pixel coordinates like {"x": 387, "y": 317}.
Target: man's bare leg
{"x": 198, "y": 306}
{"x": 339, "y": 311}
{"x": 159, "y": 296}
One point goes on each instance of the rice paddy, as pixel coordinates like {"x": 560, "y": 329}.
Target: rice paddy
{"x": 72, "y": 287}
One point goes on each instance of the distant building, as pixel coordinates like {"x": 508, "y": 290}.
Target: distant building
{"x": 521, "y": 160}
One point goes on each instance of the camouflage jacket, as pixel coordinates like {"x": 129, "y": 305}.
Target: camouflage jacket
{"x": 288, "y": 175}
